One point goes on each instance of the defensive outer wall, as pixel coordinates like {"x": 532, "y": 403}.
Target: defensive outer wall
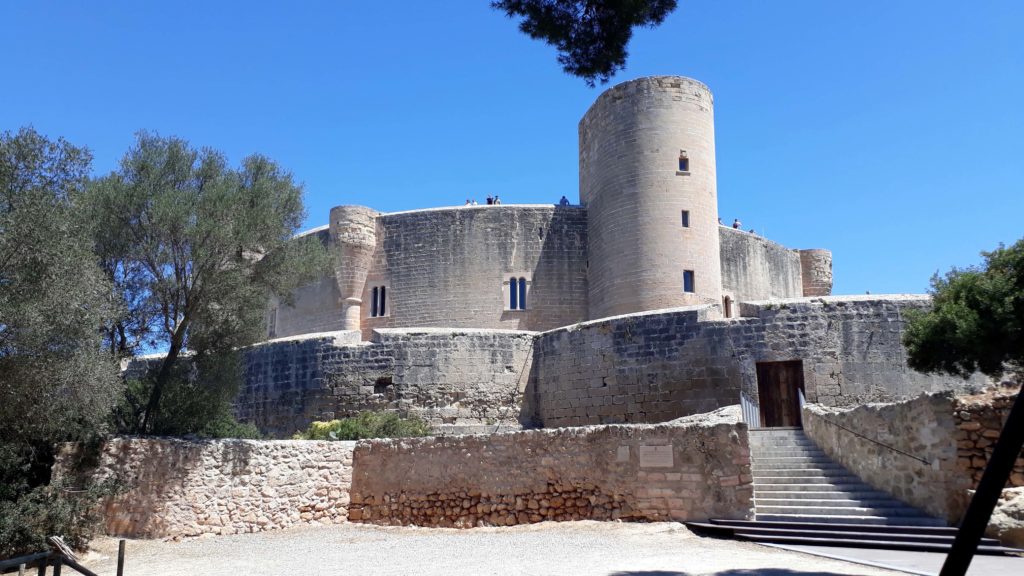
{"x": 642, "y": 368}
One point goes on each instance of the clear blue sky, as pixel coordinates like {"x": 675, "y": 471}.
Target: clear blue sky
{"x": 888, "y": 132}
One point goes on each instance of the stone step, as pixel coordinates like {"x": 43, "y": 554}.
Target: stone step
{"x": 818, "y": 472}
{"x": 819, "y": 487}
{"x": 886, "y": 511}
{"x": 780, "y": 443}
{"x": 868, "y": 520}
{"x": 821, "y": 495}
{"x": 784, "y": 465}
{"x": 795, "y": 460}
{"x": 847, "y": 480}
{"x": 763, "y": 503}
{"x": 787, "y": 453}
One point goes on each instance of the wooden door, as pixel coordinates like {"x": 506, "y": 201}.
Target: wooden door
{"x": 778, "y": 386}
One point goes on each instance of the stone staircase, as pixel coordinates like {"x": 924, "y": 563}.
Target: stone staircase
{"x": 794, "y": 481}
{"x": 802, "y": 497}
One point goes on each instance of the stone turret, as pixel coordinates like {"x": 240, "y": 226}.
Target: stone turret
{"x": 816, "y": 272}
{"x": 354, "y": 234}
{"x": 647, "y": 177}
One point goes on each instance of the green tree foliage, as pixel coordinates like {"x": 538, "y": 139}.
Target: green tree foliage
{"x": 193, "y": 248}
{"x": 977, "y": 319}
{"x": 56, "y": 382}
{"x": 591, "y": 35}
{"x": 368, "y": 424}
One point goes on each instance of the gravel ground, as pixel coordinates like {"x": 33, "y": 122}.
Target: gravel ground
{"x": 562, "y": 548}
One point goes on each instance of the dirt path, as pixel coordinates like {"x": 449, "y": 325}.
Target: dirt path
{"x": 563, "y": 548}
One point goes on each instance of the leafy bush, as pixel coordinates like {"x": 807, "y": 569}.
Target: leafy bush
{"x": 369, "y": 424}
{"x": 27, "y": 521}
{"x": 194, "y": 402}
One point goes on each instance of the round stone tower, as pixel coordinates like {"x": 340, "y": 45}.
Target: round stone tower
{"x": 816, "y": 272}
{"x": 647, "y": 177}
{"x": 354, "y": 232}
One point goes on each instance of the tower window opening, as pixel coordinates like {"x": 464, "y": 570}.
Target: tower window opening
{"x": 378, "y": 301}
{"x": 272, "y": 323}
{"x": 686, "y": 218}
{"x": 684, "y": 161}
{"x": 517, "y": 289}
{"x": 688, "y": 281}
{"x": 727, "y": 307}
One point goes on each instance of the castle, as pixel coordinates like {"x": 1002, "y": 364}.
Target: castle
{"x": 645, "y": 237}
{"x": 635, "y": 306}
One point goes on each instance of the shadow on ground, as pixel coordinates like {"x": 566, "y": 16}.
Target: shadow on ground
{"x": 756, "y": 572}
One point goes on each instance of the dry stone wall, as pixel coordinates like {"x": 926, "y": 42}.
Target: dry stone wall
{"x": 979, "y": 419}
{"x": 463, "y": 380}
{"x": 666, "y": 364}
{"x": 905, "y": 449}
{"x": 178, "y": 488}
{"x": 689, "y": 469}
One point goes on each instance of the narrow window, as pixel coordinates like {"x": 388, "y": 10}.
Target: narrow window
{"x": 688, "y": 281}
{"x": 727, "y": 306}
{"x": 272, "y": 323}
{"x": 684, "y": 161}
{"x": 522, "y": 293}
{"x": 373, "y": 302}
{"x": 686, "y": 218}
{"x": 513, "y": 298}
{"x": 382, "y": 301}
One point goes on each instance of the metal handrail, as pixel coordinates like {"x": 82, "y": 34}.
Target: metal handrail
{"x": 872, "y": 440}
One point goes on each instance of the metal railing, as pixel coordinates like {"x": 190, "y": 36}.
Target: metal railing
{"x": 873, "y": 441}
{"x": 60, "y": 557}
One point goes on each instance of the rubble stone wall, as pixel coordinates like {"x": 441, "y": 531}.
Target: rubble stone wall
{"x": 979, "y": 419}
{"x": 689, "y": 469}
{"x": 180, "y": 488}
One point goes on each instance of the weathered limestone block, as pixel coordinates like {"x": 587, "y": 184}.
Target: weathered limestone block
{"x": 1007, "y": 523}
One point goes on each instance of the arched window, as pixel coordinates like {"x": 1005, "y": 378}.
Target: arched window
{"x": 513, "y": 291}
{"x": 522, "y": 293}
{"x": 378, "y": 301}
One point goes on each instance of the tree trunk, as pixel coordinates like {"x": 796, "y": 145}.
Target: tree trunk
{"x": 153, "y": 406}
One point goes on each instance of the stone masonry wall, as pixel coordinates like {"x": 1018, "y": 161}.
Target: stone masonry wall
{"x": 178, "y": 488}
{"x": 954, "y": 435}
{"x": 919, "y": 466}
{"x": 452, "y": 378}
{"x": 755, "y": 268}
{"x": 979, "y": 419}
{"x": 690, "y": 469}
{"x": 447, "y": 267}
{"x": 661, "y": 365}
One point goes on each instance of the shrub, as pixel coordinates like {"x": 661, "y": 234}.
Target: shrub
{"x": 369, "y": 424}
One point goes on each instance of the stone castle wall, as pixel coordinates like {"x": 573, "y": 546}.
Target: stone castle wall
{"x": 650, "y": 367}
{"x": 172, "y": 488}
{"x": 452, "y": 378}
{"x": 695, "y": 468}
{"x": 755, "y": 268}
{"x": 927, "y": 451}
{"x": 662, "y": 365}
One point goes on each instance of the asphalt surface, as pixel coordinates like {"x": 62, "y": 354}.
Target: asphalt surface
{"x": 923, "y": 563}
{"x": 563, "y": 548}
